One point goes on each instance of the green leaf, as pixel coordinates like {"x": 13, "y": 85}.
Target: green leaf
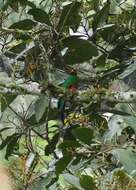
{"x": 74, "y": 181}
{"x": 4, "y": 129}
{"x": 116, "y": 125}
{"x": 39, "y": 185}
{"x": 52, "y": 145}
{"x": 69, "y": 144}
{"x": 78, "y": 162}
{"x": 11, "y": 145}
{"x": 26, "y": 24}
{"x": 63, "y": 163}
{"x": 27, "y": 3}
{"x": 70, "y": 16}
{"x": 39, "y": 15}
{"x": 101, "y": 61}
{"x": 87, "y": 182}
{"x": 68, "y": 133}
{"x": 83, "y": 134}
{"x": 131, "y": 42}
{"x": 128, "y": 71}
{"x": 8, "y": 140}
{"x": 18, "y": 48}
{"x": 127, "y": 157}
{"x": 117, "y": 112}
{"x": 4, "y": 5}
{"x": 53, "y": 113}
{"x": 95, "y": 5}
{"x": 41, "y": 106}
{"x": 7, "y": 100}
{"x": 124, "y": 107}
{"x": 5, "y": 142}
{"x": 44, "y": 182}
{"x": 22, "y": 36}
{"x": 53, "y": 123}
{"x": 101, "y": 17}
{"x": 79, "y": 50}
{"x": 130, "y": 122}
{"x": 32, "y": 120}
{"x": 109, "y": 33}
{"x": 114, "y": 7}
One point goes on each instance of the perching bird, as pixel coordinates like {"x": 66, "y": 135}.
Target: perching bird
{"x": 70, "y": 84}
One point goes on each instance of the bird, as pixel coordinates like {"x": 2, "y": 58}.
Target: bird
{"x": 69, "y": 84}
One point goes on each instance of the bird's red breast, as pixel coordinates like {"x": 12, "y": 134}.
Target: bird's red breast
{"x": 73, "y": 88}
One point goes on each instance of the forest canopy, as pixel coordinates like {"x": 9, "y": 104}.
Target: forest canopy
{"x": 67, "y": 93}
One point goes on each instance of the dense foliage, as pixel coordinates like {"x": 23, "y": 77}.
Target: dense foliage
{"x": 41, "y": 41}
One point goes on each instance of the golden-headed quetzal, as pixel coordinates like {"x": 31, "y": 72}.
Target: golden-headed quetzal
{"x": 69, "y": 84}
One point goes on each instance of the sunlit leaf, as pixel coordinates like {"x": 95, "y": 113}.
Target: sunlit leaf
{"x": 7, "y": 100}
{"x": 127, "y": 157}
{"x": 74, "y": 181}
{"x": 129, "y": 70}
{"x": 4, "y": 129}
{"x": 41, "y": 106}
{"x": 18, "y": 48}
